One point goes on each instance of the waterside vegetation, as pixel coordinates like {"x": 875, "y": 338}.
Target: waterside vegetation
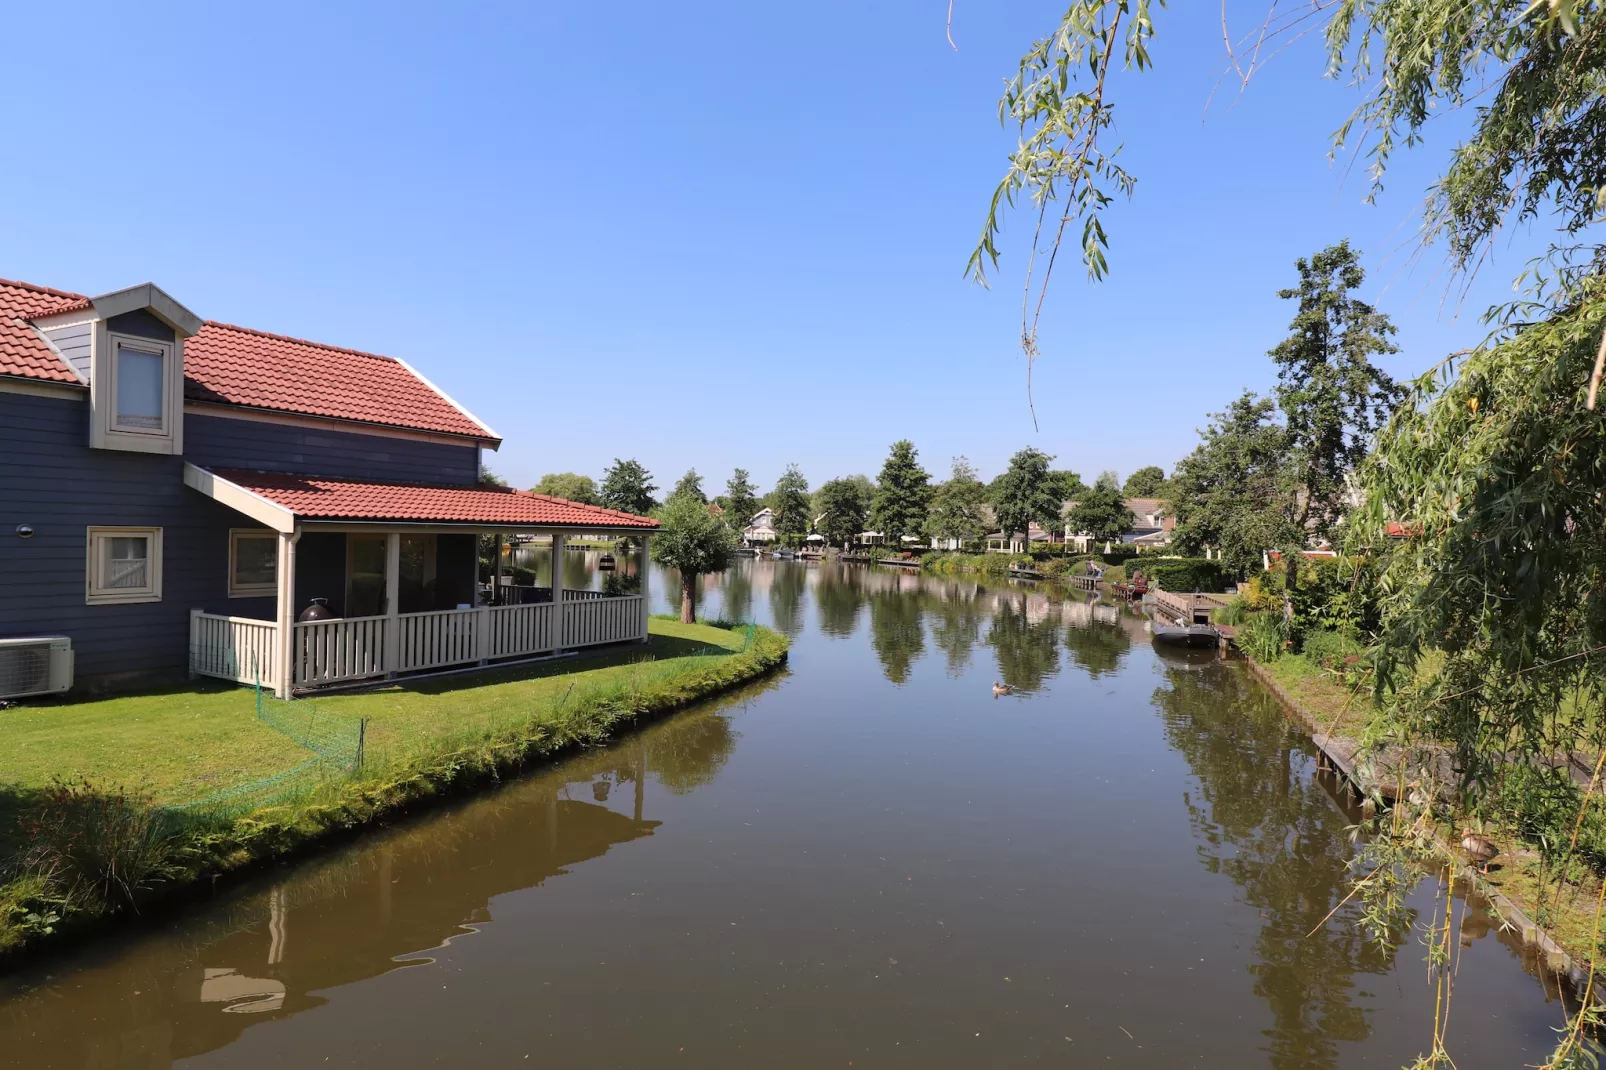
{"x": 106, "y": 813}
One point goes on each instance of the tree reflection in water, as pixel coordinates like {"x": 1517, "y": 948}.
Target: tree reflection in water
{"x": 1266, "y": 822}
{"x": 839, "y": 594}
{"x": 895, "y": 631}
{"x": 786, "y": 599}
{"x": 1025, "y": 637}
{"x": 736, "y": 587}
{"x": 956, "y": 622}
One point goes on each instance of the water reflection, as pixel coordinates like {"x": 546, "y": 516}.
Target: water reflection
{"x": 1265, "y": 819}
{"x": 147, "y": 1002}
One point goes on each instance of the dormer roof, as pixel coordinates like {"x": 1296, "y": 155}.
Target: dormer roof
{"x": 240, "y": 367}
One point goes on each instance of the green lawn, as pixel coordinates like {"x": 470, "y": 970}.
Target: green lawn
{"x": 186, "y": 743}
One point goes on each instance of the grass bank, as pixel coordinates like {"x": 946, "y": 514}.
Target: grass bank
{"x": 111, "y": 805}
{"x": 1552, "y": 906}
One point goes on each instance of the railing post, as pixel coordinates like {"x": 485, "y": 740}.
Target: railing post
{"x": 195, "y": 640}
{"x": 560, "y": 632}
{"x": 390, "y": 644}
{"x": 482, "y": 634}
{"x": 285, "y": 638}
{"x": 642, "y": 566}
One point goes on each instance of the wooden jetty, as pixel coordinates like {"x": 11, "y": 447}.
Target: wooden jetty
{"x": 1187, "y": 608}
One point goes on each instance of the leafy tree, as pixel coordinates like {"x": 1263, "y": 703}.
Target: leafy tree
{"x": 490, "y": 477}
{"x": 958, "y": 506}
{"x": 790, "y": 500}
{"x": 1533, "y": 69}
{"x": 842, "y": 506}
{"x": 1485, "y": 498}
{"x": 741, "y": 498}
{"x": 1145, "y": 483}
{"x": 570, "y": 486}
{"x": 628, "y": 487}
{"x": 1101, "y": 512}
{"x": 903, "y": 494}
{"x": 1067, "y": 483}
{"x": 1027, "y": 493}
{"x": 693, "y": 541}
{"x": 690, "y": 486}
{"x": 1235, "y": 491}
{"x": 1332, "y": 397}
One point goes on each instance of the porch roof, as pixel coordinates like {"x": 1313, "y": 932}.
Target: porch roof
{"x": 281, "y": 501}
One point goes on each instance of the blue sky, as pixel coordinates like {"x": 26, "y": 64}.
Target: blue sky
{"x": 706, "y": 233}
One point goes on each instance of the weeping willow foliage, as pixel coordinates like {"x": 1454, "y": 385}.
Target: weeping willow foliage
{"x": 1494, "y": 473}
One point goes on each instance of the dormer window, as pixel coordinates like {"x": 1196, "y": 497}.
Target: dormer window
{"x": 129, "y": 347}
{"x": 141, "y": 385}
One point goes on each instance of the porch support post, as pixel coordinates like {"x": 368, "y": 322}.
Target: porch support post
{"x": 284, "y": 654}
{"x": 561, "y": 618}
{"x": 496, "y": 576}
{"x": 641, "y": 575}
{"x": 392, "y": 650}
{"x": 482, "y": 614}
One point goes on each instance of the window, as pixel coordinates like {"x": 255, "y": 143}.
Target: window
{"x": 253, "y": 563}
{"x": 140, "y": 380}
{"x": 125, "y": 565}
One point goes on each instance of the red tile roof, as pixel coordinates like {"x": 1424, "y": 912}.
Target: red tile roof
{"x": 229, "y": 365}
{"x": 232, "y": 365}
{"x": 23, "y": 351}
{"x": 316, "y": 498}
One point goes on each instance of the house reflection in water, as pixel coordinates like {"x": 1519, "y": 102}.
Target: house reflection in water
{"x": 162, "y": 997}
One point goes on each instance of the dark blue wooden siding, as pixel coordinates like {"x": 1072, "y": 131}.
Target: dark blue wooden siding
{"x": 52, "y": 481}
{"x": 221, "y": 442}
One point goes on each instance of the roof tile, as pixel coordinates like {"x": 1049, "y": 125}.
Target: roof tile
{"x": 316, "y": 498}
{"x": 232, "y": 365}
{"x": 23, "y": 351}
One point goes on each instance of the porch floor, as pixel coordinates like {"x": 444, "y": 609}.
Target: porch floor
{"x": 190, "y": 742}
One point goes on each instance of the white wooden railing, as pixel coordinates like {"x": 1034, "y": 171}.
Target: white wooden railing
{"x": 436, "y": 638}
{"x": 602, "y": 620}
{"x": 340, "y": 650}
{"x": 516, "y": 630}
{"x": 241, "y": 649}
{"x": 332, "y": 651}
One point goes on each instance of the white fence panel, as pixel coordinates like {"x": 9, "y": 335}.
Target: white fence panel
{"x": 440, "y": 637}
{"x": 602, "y": 620}
{"x": 519, "y": 630}
{"x": 328, "y": 651}
{"x": 242, "y": 649}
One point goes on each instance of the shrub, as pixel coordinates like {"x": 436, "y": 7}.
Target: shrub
{"x": 101, "y": 845}
{"x": 1262, "y": 637}
{"x": 1232, "y": 613}
{"x": 1181, "y": 574}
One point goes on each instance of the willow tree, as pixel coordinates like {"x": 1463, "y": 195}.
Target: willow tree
{"x": 693, "y": 541}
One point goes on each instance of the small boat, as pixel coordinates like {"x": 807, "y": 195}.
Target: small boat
{"x": 1199, "y": 635}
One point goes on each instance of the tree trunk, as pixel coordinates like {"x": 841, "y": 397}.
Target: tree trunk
{"x": 688, "y": 598}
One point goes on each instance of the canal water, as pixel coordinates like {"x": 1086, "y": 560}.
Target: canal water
{"x": 866, "y": 861}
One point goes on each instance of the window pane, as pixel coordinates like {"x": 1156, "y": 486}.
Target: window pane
{"x": 125, "y": 562}
{"x": 255, "y": 560}
{"x": 139, "y": 388}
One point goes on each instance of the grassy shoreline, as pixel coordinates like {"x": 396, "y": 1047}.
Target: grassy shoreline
{"x": 75, "y": 857}
{"x": 1555, "y": 917}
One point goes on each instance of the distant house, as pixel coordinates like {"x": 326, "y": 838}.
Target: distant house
{"x": 178, "y": 492}
{"x": 1152, "y": 525}
{"x": 761, "y": 528}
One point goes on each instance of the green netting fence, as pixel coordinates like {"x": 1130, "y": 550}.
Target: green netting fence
{"x": 340, "y": 744}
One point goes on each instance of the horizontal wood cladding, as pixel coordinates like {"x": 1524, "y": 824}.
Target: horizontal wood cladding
{"x": 54, "y": 483}
{"x": 220, "y": 442}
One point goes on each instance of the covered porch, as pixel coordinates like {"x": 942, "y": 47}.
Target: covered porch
{"x": 396, "y": 572}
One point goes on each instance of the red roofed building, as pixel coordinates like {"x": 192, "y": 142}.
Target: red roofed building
{"x": 179, "y": 493}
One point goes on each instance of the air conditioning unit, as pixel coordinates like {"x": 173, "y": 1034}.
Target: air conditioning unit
{"x": 41, "y": 665}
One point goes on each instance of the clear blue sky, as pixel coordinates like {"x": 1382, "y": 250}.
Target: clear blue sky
{"x": 703, "y": 233}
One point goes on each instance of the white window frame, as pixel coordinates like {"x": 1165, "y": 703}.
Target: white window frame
{"x": 96, "y": 595}
{"x": 251, "y": 590}
{"x": 141, "y": 345}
